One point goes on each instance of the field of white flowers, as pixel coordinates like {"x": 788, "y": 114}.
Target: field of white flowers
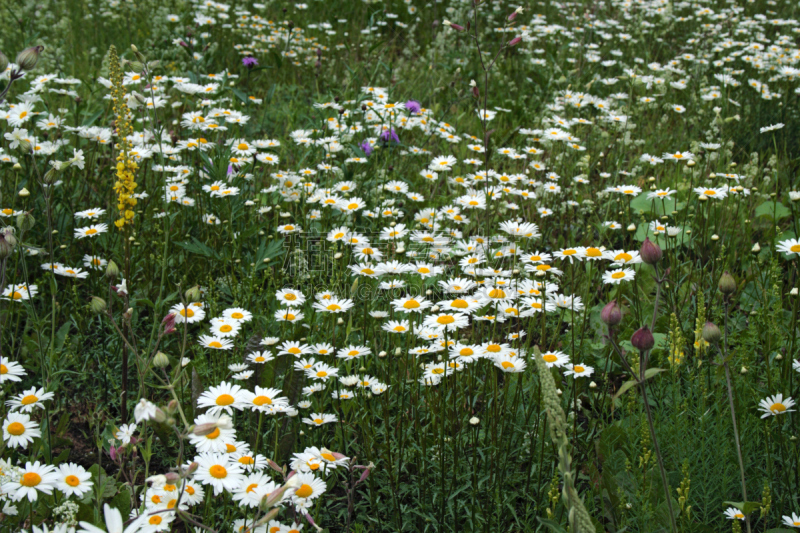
{"x": 399, "y": 266}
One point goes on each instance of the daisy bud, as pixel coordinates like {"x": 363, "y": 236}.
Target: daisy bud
{"x": 434, "y": 309}
{"x": 337, "y": 255}
{"x": 24, "y": 193}
{"x": 3, "y": 62}
{"x": 711, "y": 333}
{"x": 794, "y": 196}
{"x": 650, "y": 252}
{"x": 28, "y": 58}
{"x": 743, "y": 370}
{"x": 643, "y": 339}
{"x": 112, "y": 270}
{"x": 632, "y": 228}
{"x": 515, "y": 41}
{"x": 339, "y": 321}
{"x": 778, "y": 357}
{"x": 611, "y": 314}
{"x": 161, "y": 360}
{"x": 382, "y": 354}
{"x": 428, "y": 292}
{"x": 727, "y": 285}
{"x": 474, "y": 421}
{"x": 193, "y": 295}
{"x": 756, "y": 248}
{"x": 401, "y": 250}
{"x": 592, "y": 385}
{"x": 97, "y": 305}
{"x": 7, "y": 242}
{"x": 715, "y": 237}
{"x": 398, "y": 351}
{"x": 793, "y": 292}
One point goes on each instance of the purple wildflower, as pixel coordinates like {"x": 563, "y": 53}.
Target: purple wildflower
{"x": 249, "y": 61}
{"x": 390, "y": 135}
{"x": 413, "y": 106}
{"x": 366, "y": 148}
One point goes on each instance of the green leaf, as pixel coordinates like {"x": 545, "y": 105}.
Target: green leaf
{"x": 624, "y": 388}
{"x": 199, "y": 248}
{"x": 770, "y": 209}
{"x": 745, "y": 507}
{"x": 551, "y": 525}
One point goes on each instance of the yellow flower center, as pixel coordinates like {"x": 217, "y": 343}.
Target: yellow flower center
{"x": 446, "y": 319}
{"x": 795, "y": 248}
{"x": 261, "y": 400}
{"x": 30, "y": 479}
{"x": 225, "y": 328}
{"x": 16, "y": 429}
{"x": 214, "y": 434}
{"x": 91, "y": 231}
{"x": 507, "y": 364}
{"x": 218, "y": 471}
{"x": 215, "y": 344}
{"x": 578, "y": 369}
{"x": 550, "y": 358}
{"x": 29, "y": 399}
{"x": 618, "y": 275}
{"x": 224, "y": 399}
{"x": 304, "y": 491}
{"x": 777, "y": 407}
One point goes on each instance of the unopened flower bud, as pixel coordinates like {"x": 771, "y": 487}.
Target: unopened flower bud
{"x": 756, "y": 248}
{"x": 711, "y": 333}
{"x": 474, "y": 421}
{"x": 611, "y": 314}
{"x": 631, "y": 227}
{"x": 7, "y": 242}
{"x": 3, "y": 62}
{"x": 25, "y": 221}
{"x": 398, "y": 351}
{"x": 202, "y": 430}
{"x": 112, "y": 270}
{"x": 97, "y": 305}
{"x": 515, "y": 41}
{"x": 727, "y": 285}
{"x": 592, "y": 385}
{"x": 643, "y": 339}
{"x": 161, "y": 360}
{"x": 382, "y": 354}
{"x": 193, "y": 295}
{"x": 28, "y": 58}
{"x": 743, "y": 370}
{"x": 650, "y": 252}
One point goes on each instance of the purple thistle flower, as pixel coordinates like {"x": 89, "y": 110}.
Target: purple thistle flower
{"x": 366, "y": 148}
{"x": 390, "y": 135}
{"x": 413, "y": 106}
{"x": 249, "y": 61}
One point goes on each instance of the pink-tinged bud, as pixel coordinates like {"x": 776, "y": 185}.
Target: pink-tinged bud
{"x": 476, "y": 92}
{"x": 457, "y": 27}
{"x": 650, "y": 252}
{"x": 113, "y": 453}
{"x": 515, "y": 41}
{"x": 168, "y": 323}
{"x": 364, "y": 476}
{"x": 512, "y": 16}
{"x": 192, "y": 469}
{"x": 643, "y": 339}
{"x": 201, "y": 430}
{"x": 311, "y": 521}
{"x": 273, "y": 465}
{"x": 172, "y": 477}
{"x": 611, "y": 314}
{"x": 183, "y": 43}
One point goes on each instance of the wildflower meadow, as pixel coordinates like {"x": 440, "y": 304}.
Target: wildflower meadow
{"x": 468, "y": 266}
